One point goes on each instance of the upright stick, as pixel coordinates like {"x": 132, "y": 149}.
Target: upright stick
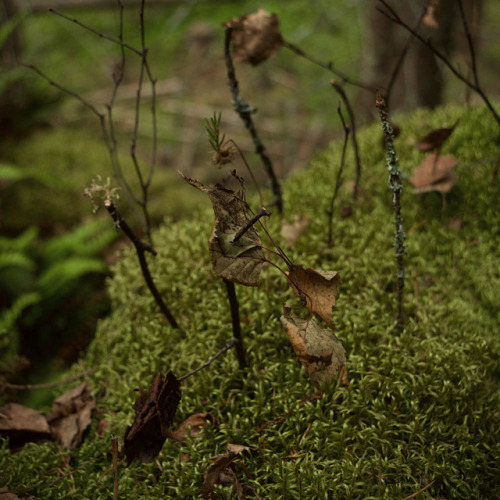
{"x": 397, "y": 187}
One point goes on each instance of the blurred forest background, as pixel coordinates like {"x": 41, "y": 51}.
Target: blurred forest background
{"x": 51, "y": 294}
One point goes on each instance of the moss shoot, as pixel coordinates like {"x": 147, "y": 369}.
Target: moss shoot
{"x": 421, "y": 407}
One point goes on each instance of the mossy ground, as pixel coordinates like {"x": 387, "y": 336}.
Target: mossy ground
{"x": 420, "y": 407}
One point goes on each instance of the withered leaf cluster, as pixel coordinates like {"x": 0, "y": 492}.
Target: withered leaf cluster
{"x": 70, "y": 417}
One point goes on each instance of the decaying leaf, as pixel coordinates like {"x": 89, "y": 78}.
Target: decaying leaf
{"x": 241, "y": 261}
{"x": 292, "y": 231}
{"x": 71, "y": 415}
{"x": 256, "y": 37}
{"x": 193, "y": 426}
{"x": 317, "y": 289}
{"x": 22, "y": 425}
{"x": 317, "y": 349}
{"x": 435, "y": 139}
{"x": 155, "y": 413}
{"x": 435, "y": 173}
{"x": 221, "y": 472}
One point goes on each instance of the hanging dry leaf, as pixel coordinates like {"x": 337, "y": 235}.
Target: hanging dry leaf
{"x": 435, "y": 139}
{"x": 435, "y": 173}
{"x": 22, "y": 425}
{"x": 193, "y": 426}
{"x": 71, "y": 415}
{"x": 292, "y": 231}
{"x": 431, "y": 17}
{"x": 255, "y": 37}
{"x": 316, "y": 289}
{"x": 155, "y": 413}
{"x": 221, "y": 472}
{"x": 241, "y": 261}
{"x": 317, "y": 349}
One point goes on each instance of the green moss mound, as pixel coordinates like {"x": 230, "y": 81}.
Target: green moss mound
{"x": 421, "y": 407}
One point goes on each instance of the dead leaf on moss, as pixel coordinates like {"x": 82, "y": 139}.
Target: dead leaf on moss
{"x": 256, "y": 37}
{"x": 435, "y": 173}
{"x": 431, "y": 17}
{"x": 6, "y": 495}
{"x": 241, "y": 261}
{"x": 317, "y": 349}
{"x": 221, "y": 472}
{"x": 317, "y": 288}
{"x": 193, "y": 425}
{"x": 22, "y": 425}
{"x": 292, "y": 231}
{"x": 155, "y": 411}
{"x": 435, "y": 139}
{"x": 71, "y": 415}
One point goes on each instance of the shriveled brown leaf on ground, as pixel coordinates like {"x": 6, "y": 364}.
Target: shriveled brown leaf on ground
{"x": 435, "y": 139}
{"x": 71, "y": 415}
{"x": 193, "y": 425}
{"x": 435, "y": 173}
{"x": 221, "y": 472}
{"x": 241, "y": 261}
{"x": 291, "y": 231}
{"x": 155, "y": 411}
{"x": 22, "y": 424}
{"x": 317, "y": 288}
{"x": 317, "y": 349}
{"x": 256, "y": 37}
{"x": 5, "y": 495}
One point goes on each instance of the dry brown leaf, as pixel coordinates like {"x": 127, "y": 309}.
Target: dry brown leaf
{"x": 435, "y": 139}
{"x": 256, "y": 37}
{"x": 435, "y": 173}
{"x": 155, "y": 412}
{"x": 22, "y": 424}
{"x": 71, "y": 415}
{"x": 317, "y": 349}
{"x": 318, "y": 289}
{"x": 193, "y": 425}
{"x": 221, "y": 472}
{"x": 6, "y": 495}
{"x": 292, "y": 231}
{"x": 241, "y": 261}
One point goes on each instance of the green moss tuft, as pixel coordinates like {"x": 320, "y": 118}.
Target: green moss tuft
{"x": 421, "y": 406}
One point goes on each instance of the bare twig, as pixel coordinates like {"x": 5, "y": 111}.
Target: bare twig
{"x": 402, "y": 56}
{"x": 235, "y": 319}
{"x": 98, "y": 33}
{"x": 421, "y": 490}
{"x": 354, "y": 139}
{"x": 396, "y": 185}
{"x": 28, "y": 387}
{"x": 228, "y": 346}
{"x": 141, "y": 248}
{"x": 261, "y": 213}
{"x": 338, "y": 181}
{"x": 329, "y": 66}
{"x": 114, "y": 450}
{"x": 391, "y": 14}
{"x": 245, "y": 111}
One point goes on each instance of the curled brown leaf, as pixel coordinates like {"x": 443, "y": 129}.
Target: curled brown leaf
{"x": 317, "y": 290}
{"x": 317, "y": 349}
{"x": 239, "y": 261}
{"x": 256, "y": 37}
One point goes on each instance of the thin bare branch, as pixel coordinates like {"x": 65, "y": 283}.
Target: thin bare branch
{"x": 29, "y": 387}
